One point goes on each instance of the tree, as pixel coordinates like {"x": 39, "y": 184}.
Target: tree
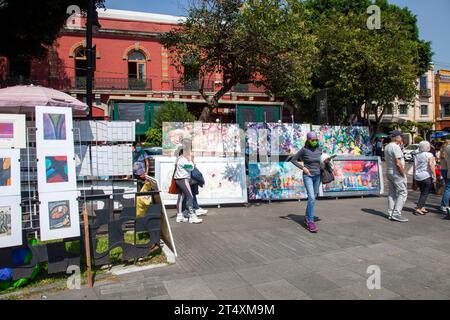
{"x": 29, "y": 27}
{"x": 172, "y": 112}
{"x": 265, "y": 43}
{"x": 367, "y": 69}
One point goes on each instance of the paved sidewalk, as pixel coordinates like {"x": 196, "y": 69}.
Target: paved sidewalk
{"x": 263, "y": 252}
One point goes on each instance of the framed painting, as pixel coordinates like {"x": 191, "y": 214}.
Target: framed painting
{"x": 9, "y": 172}
{"x": 10, "y": 221}
{"x": 275, "y": 181}
{"x": 233, "y": 139}
{"x": 225, "y": 180}
{"x": 56, "y": 170}
{"x": 355, "y": 176}
{"x": 207, "y": 138}
{"x": 173, "y": 134}
{"x": 336, "y": 140}
{"x": 59, "y": 215}
{"x": 12, "y": 131}
{"x": 54, "y": 127}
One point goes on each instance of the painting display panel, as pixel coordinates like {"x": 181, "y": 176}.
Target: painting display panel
{"x": 336, "y": 140}
{"x": 173, "y": 134}
{"x": 225, "y": 180}
{"x": 12, "y": 131}
{"x": 9, "y": 172}
{"x": 207, "y": 138}
{"x": 355, "y": 176}
{"x": 275, "y": 181}
{"x": 59, "y": 215}
{"x": 10, "y": 221}
{"x": 232, "y": 139}
{"x": 56, "y": 170}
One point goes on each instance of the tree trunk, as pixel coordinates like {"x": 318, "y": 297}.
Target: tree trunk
{"x": 206, "y": 112}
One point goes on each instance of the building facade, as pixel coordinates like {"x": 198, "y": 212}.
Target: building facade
{"x": 442, "y": 99}
{"x": 134, "y": 75}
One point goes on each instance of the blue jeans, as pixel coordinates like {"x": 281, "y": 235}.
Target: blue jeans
{"x": 312, "y": 184}
{"x": 195, "y": 205}
{"x": 446, "y": 195}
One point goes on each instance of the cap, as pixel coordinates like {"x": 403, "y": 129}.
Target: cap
{"x": 311, "y": 135}
{"x": 395, "y": 133}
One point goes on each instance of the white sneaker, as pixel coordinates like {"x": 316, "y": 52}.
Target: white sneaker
{"x": 181, "y": 218}
{"x": 201, "y": 212}
{"x": 194, "y": 219}
{"x": 444, "y": 209}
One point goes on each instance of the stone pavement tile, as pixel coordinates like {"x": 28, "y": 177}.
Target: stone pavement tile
{"x": 312, "y": 283}
{"x": 342, "y": 258}
{"x": 258, "y": 275}
{"x": 438, "y": 280}
{"x": 280, "y": 290}
{"x": 83, "y": 294}
{"x": 388, "y": 249}
{"x": 391, "y": 264}
{"x": 161, "y": 298}
{"x": 189, "y": 287}
{"x": 288, "y": 268}
{"x": 415, "y": 242}
{"x": 361, "y": 290}
{"x": 410, "y": 289}
{"x": 435, "y": 254}
{"x": 342, "y": 277}
{"x": 223, "y": 281}
{"x": 154, "y": 290}
{"x": 315, "y": 263}
{"x": 335, "y": 294}
{"x": 241, "y": 293}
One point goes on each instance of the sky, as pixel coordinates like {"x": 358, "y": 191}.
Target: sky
{"x": 433, "y": 19}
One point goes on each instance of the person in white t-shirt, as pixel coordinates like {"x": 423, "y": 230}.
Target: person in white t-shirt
{"x": 424, "y": 174}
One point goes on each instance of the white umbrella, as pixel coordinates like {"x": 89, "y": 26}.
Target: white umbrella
{"x": 24, "y": 99}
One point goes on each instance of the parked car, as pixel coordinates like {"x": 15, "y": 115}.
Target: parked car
{"x": 153, "y": 151}
{"x": 410, "y": 151}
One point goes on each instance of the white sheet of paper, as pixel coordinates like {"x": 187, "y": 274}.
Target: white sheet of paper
{"x": 10, "y": 221}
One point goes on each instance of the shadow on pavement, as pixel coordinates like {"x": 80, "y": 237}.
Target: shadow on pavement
{"x": 376, "y": 213}
{"x": 299, "y": 219}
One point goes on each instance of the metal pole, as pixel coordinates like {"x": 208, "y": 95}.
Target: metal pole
{"x": 89, "y": 71}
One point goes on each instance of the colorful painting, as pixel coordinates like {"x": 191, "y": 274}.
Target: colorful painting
{"x": 5, "y": 221}
{"x": 173, "y": 135}
{"x": 336, "y": 140}
{"x": 12, "y": 131}
{"x": 231, "y": 139}
{"x": 6, "y": 130}
{"x": 207, "y": 138}
{"x": 56, "y": 169}
{"x": 291, "y": 137}
{"x": 256, "y": 136}
{"x": 59, "y": 214}
{"x": 54, "y": 126}
{"x": 355, "y": 176}
{"x": 275, "y": 181}
{"x": 5, "y": 172}
{"x": 225, "y": 180}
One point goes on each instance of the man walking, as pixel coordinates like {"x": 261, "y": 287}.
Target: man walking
{"x": 396, "y": 175}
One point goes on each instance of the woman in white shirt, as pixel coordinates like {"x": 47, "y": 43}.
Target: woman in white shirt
{"x": 424, "y": 174}
{"x": 182, "y": 176}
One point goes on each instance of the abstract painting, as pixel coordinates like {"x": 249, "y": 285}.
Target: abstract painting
{"x": 5, "y": 221}
{"x": 225, "y": 180}
{"x": 56, "y": 169}
{"x": 275, "y": 138}
{"x": 207, "y": 138}
{"x": 336, "y": 140}
{"x": 10, "y": 221}
{"x": 12, "y": 131}
{"x": 59, "y": 214}
{"x": 231, "y": 139}
{"x": 173, "y": 134}
{"x": 54, "y": 126}
{"x": 355, "y": 176}
{"x": 60, "y": 217}
{"x": 6, "y": 130}
{"x": 5, "y": 172}
{"x": 275, "y": 181}
{"x": 9, "y": 172}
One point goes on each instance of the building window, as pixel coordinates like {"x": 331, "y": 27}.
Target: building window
{"x": 446, "y": 109}
{"x": 80, "y": 67}
{"x": 388, "y": 110}
{"x": 136, "y": 65}
{"x": 403, "y": 110}
{"x": 424, "y": 110}
{"x": 424, "y": 82}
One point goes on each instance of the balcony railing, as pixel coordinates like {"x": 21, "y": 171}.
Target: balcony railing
{"x": 193, "y": 86}
{"x": 425, "y": 93}
{"x": 79, "y": 83}
{"x": 248, "y": 88}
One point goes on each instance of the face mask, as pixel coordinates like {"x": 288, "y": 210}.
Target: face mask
{"x": 138, "y": 149}
{"x": 314, "y": 144}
